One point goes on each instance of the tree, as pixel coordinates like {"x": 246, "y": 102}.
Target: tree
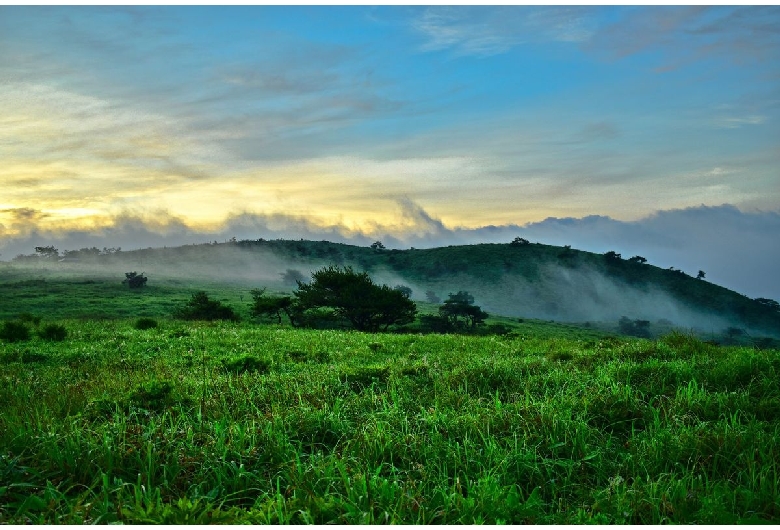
{"x": 431, "y": 297}
{"x": 635, "y": 328}
{"x": 271, "y": 306}
{"x": 47, "y": 252}
{"x": 135, "y": 280}
{"x": 519, "y": 241}
{"x": 200, "y": 307}
{"x": 292, "y": 276}
{"x": 377, "y": 246}
{"x": 768, "y": 302}
{"x": 461, "y": 306}
{"x": 637, "y": 259}
{"x": 701, "y": 275}
{"x": 612, "y": 256}
{"x": 355, "y": 297}
{"x": 404, "y": 290}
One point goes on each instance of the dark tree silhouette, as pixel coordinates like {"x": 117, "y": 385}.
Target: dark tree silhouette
{"x": 637, "y": 259}
{"x": 47, "y": 252}
{"x": 519, "y": 241}
{"x": 431, "y": 297}
{"x": 460, "y": 310}
{"x": 135, "y": 280}
{"x": 612, "y": 256}
{"x": 292, "y": 277}
{"x": 271, "y": 306}
{"x": 404, "y": 289}
{"x": 200, "y": 307}
{"x": 377, "y": 245}
{"x": 701, "y": 275}
{"x": 355, "y": 297}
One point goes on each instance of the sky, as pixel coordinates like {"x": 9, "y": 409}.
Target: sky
{"x": 651, "y": 130}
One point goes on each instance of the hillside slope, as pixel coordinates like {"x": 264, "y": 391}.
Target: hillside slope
{"x": 521, "y": 280}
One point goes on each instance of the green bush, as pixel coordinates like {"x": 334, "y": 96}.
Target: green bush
{"x": 200, "y": 307}
{"x": 145, "y": 323}
{"x": 53, "y": 332}
{"x": 14, "y": 331}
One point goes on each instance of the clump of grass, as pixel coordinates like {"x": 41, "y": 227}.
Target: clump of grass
{"x": 560, "y": 356}
{"x": 144, "y": 323}
{"x": 53, "y": 332}
{"x": 362, "y": 378}
{"x": 156, "y": 395}
{"x": 14, "y": 331}
{"x": 246, "y": 363}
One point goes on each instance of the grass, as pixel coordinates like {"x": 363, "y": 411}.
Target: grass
{"x": 193, "y": 422}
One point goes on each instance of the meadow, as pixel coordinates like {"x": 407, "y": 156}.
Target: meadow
{"x": 245, "y": 423}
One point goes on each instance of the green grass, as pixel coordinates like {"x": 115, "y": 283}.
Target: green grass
{"x": 238, "y": 423}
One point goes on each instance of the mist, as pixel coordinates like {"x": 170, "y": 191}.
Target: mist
{"x": 736, "y": 249}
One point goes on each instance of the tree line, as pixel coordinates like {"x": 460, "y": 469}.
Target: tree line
{"x": 340, "y": 297}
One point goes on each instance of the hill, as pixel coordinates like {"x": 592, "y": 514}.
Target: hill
{"x": 516, "y": 280}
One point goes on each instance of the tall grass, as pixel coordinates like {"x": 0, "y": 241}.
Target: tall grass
{"x": 234, "y": 423}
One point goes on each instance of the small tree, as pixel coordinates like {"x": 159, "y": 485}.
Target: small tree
{"x": 461, "y": 306}
{"x": 404, "y": 290}
{"x": 637, "y": 259}
{"x": 271, "y": 306}
{"x": 635, "y": 328}
{"x": 768, "y": 302}
{"x": 519, "y": 241}
{"x": 377, "y": 246}
{"x": 49, "y": 252}
{"x": 135, "y": 280}
{"x": 701, "y": 275}
{"x": 292, "y": 277}
{"x": 612, "y": 256}
{"x": 431, "y": 297}
{"x": 355, "y": 297}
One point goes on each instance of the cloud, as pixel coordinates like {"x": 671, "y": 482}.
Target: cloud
{"x": 736, "y": 249}
{"x": 482, "y": 31}
{"x": 688, "y": 34}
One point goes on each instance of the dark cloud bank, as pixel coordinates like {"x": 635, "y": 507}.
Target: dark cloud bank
{"x": 738, "y": 250}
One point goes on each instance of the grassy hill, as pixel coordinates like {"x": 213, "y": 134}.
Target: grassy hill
{"x": 527, "y": 281}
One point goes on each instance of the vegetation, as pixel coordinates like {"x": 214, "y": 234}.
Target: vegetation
{"x": 240, "y": 423}
{"x": 145, "y": 323}
{"x": 200, "y": 307}
{"x": 352, "y": 296}
{"x": 135, "y": 280}
{"x": 14, "y": 331}
{"x": 53, "y": 332}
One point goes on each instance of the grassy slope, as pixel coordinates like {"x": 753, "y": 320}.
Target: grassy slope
{"x": 116, "y": 424}
{"x": 492, "y": 272}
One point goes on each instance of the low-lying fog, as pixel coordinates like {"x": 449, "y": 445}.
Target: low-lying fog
{"x": 561, "y": 294}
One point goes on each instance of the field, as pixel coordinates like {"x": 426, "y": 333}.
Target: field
{"x": 232, "y": 423}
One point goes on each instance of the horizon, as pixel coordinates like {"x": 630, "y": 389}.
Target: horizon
{"x": 645, "y": 130}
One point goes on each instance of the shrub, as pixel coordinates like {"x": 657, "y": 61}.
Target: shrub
{"x": 145, "y": 323}
{"x": 14, "y": 331}
{"x": 54, "y": 332}
{"x": 201, "y": 308}
{"x": 29, "y": 317}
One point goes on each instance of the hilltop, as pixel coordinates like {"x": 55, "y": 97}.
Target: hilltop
{"x": 518, "y": 279}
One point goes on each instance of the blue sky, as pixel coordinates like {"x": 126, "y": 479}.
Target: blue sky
{"x": 340, "y": 116}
